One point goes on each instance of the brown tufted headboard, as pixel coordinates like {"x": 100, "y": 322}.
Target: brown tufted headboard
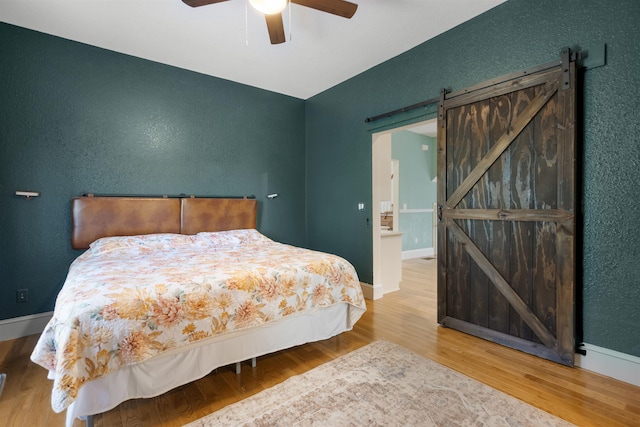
{"x": 96, "y": 217}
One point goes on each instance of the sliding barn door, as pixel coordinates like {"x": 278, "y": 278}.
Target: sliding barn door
{"x": 506, "y": 208}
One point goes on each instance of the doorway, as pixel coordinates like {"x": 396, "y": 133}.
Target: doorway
{"x": 404, "y": 170}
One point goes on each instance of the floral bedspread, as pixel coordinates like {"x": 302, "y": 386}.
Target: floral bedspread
{"x": 128, "y": 299}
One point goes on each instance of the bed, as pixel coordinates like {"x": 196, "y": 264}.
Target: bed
{"x": 182, "y": 285}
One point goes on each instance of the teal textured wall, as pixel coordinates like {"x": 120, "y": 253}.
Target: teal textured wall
{"x": 513, "y": 36}
{"x": 417, "y": 191}
{"x": 77, "y": 119}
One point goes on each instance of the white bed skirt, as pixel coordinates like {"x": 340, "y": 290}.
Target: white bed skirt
{"x": 175, "y": 368}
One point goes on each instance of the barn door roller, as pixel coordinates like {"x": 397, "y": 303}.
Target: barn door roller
{"x": 566, "y": 57}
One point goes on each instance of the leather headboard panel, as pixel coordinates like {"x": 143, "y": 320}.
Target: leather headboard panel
{"x": 96, "y": 217}
{"x": 217, "y": 214}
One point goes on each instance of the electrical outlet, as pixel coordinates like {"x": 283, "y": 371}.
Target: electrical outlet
{"x": 22, "y": 295}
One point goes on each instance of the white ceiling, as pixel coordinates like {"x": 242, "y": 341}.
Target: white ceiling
{"x": 229, "y": 40}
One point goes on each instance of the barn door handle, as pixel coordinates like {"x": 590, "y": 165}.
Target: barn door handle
{"x": 439, "y": 212}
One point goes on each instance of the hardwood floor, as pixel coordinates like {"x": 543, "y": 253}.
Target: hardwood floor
{"x": 407, "y": 317}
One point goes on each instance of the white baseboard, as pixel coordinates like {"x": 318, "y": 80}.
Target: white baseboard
{"x": 611, "y": 363}
{"x": 371, "y": 292}
{"x": 418, "y": 253}
{"x": 23, "y": 326}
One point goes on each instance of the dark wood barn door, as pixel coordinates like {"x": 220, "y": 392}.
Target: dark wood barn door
{"x": 506, "y": 196}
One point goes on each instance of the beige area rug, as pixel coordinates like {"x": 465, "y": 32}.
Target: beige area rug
{"x": 381, "y": 384}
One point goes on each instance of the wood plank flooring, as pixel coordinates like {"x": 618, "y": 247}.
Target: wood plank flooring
{"x": 407, "y": 317}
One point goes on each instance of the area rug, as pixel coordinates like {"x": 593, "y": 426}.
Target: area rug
{"x": 381, "y": 384}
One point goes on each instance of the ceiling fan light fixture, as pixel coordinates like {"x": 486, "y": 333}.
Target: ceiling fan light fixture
{"x": 269, "y": 7}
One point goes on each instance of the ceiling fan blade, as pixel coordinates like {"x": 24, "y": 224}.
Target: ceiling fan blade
{"x": 196, "y": 3}
{"x": 335, "y": 7}
{"x": 275, "y": 27}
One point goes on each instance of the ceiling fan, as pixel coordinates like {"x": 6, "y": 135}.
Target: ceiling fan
{"x": 272, "y": 10}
